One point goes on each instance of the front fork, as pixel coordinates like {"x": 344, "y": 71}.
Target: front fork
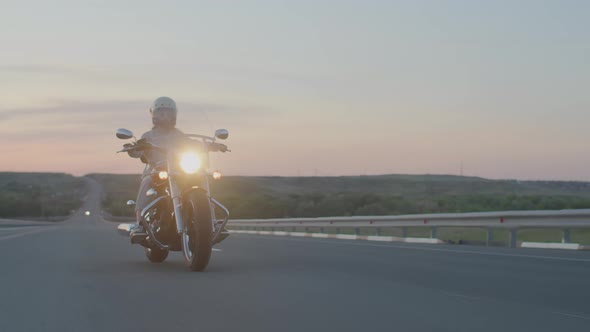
{"x": 177, "y": 203}
{"x": 176, "y": 193}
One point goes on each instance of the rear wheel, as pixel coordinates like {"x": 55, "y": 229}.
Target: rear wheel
{"x": 156, "y": 255}
{"x": 196, "y": 241}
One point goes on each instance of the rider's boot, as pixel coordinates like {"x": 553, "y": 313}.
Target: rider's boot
{"x": 137, "y": 232}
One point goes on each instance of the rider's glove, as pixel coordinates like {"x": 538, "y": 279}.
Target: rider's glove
{"x": 133, "y": 153}
{"x": 222, "y": 147}
{"x": 142, "y": 145}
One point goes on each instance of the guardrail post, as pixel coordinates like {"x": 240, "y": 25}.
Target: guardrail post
{"x": 357, "y": 231}
{"x": 566, "y": 238}
{"x": 321, "y": 229}
{"x": 306, "y": 229}
{"x": 512, "y": 238}
{"x": 490, "y": 236}
{"x": 404, "y": 232}
{"x": 378, "y": 231}
{"x": 433, "y": 232}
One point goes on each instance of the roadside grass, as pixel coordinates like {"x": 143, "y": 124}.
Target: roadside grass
{"x": 117, "y": 190}
{"x": 581, "y": 236}
{"x": 42, "y": 196}
{"x": 288, "y": 197}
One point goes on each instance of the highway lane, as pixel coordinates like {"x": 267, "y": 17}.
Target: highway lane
{"x": 16, "y": 228}
{"x": 81, "y": 276}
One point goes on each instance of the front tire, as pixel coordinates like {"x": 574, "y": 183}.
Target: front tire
{"x": 197, "y": 218}
{"x": 156, "y": 255}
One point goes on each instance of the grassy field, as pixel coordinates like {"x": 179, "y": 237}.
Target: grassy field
{"x": 118, "y": 189}
{"x": 46, "y": 195}
{"x": 268, "y": 197}
{"x": 39, "y": 195}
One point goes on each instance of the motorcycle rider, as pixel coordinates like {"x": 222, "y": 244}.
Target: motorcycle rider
{"x": 164, "y": 134}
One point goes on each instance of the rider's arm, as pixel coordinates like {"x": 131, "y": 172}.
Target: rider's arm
{"x": 136, "y": 153}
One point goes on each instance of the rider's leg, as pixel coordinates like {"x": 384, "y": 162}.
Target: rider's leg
{"x": 142, "y": 201}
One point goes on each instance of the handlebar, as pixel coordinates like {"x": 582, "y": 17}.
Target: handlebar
{"x": 141, "y": 147}
{"x": 148, "y": 146}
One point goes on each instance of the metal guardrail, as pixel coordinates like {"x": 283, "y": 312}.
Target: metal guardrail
{"x": 509, "y": 220}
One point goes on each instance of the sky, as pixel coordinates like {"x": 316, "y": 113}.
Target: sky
{"x": 304, "y": 87}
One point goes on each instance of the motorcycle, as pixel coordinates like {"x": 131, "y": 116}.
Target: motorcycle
{"x": 182, "y": 214}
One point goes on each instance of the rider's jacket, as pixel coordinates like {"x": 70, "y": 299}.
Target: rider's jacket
{"x": 161, "y": 137}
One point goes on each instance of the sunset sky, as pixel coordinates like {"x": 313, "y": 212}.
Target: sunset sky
{"x": 341, "y": 87}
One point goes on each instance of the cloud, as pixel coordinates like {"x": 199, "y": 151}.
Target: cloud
{"x": 208, "y": 70}
{"x": 92, "y": 123}
{"x": 38, "y": 69}
{"x": 109, "y": 109}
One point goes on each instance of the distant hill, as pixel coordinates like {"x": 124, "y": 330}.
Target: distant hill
{"x": 39, "y": 194}
{"x": 266, "y": 197}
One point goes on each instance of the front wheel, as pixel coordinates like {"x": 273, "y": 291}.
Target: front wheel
{"x": 196, "y": 240}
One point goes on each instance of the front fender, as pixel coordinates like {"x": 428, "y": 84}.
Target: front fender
{"x": 191, "y": 189}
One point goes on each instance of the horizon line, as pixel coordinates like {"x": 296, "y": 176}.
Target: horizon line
{"x": 321, "y": 176}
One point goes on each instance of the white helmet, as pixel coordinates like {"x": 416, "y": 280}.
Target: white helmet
{"x": 163, "y": 111}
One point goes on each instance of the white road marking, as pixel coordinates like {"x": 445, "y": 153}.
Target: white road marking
{"x": 33, "y": 231}
{"x": 471, "y": 252}
{"x": 217, "y": 250}
{"x": 571, "y": 315}
{"x": 8, "y": 229}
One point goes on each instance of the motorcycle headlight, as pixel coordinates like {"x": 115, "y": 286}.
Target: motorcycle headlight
{"x": 190, "y": 162}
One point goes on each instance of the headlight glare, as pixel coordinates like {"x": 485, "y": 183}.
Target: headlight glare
{"x": 190, "y": 162}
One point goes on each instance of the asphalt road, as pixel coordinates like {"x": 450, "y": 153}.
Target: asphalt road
{"x": 80, "y": 275}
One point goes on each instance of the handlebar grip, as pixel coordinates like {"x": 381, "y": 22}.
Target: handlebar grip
{"x": 142, "y": 147}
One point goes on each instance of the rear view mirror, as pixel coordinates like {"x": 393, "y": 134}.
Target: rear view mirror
{"x": 222, "y": 133}
{"x": 124, "y": 133}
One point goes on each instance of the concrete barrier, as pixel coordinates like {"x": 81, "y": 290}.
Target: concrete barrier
{"x": 542, "y": 245}
{"x": 345, "y": 237}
